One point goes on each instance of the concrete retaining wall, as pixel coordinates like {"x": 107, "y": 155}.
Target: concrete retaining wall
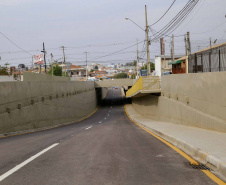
{"x": 28, "y": 76}
{"x": 37, "y": 104}
{"x": 190, "y": 99}
{"x": 6, "y": 78}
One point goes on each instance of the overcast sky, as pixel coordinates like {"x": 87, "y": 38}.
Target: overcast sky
{"x": 99, "y": 28}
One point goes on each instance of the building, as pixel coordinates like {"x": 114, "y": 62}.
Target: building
{"x": 162, "y": 64}
{"x": 180, "y": 65}
{"x": 76, "y": 71}
{"x": 211, "y": 59}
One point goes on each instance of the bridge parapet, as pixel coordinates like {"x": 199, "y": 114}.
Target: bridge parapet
{"x": 145, "y": 85}
{"x": 114, "y": 82}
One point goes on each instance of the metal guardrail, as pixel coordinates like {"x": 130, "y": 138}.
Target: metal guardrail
{"x": 144, "y": 84}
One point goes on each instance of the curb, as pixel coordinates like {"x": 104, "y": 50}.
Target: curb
{"x": 212, "y": 162}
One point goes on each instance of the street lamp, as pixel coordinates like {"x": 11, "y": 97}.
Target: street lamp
{"x": 147, "y": 41}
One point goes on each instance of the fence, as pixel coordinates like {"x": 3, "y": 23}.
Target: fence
{"x": 209, "y": 60}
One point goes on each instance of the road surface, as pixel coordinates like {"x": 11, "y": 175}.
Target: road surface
{"x": 107, "y": 148}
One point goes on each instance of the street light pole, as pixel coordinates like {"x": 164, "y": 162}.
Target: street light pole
{"x": 147, "y": 40}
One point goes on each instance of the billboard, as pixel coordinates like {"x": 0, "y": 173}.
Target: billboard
{"x": 38, "y": 59}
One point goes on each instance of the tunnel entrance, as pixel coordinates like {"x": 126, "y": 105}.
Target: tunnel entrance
{"x": 114, "y": 98}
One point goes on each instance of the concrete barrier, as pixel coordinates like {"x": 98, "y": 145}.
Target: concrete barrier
{"x": 38, "y": 104}
{"x": 190, "y": 99}
{"x": 28, "y": 76}
{"x": 6, "y": 78}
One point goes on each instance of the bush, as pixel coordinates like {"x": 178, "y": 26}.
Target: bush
{"x": 121, "y": 75}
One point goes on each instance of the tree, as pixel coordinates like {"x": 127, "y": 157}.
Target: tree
{"x": 134, "y": 63}
{"x": 57, "y": 70}
{"x": 121, "y": 75}
{"x": 96, "y": 68}
{"x": 91, "y": 70}
{"x": 133, "y": 76}
{"x": 3, "y": 71}
{"x": 151, "y": 64}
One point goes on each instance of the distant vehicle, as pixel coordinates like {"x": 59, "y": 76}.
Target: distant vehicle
{"x": 166, "y": 73}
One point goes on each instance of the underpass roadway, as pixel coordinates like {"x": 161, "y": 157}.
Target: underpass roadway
{"x": 106, "y": 148}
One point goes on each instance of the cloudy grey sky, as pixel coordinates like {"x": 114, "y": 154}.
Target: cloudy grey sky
{"x": 99, "y": 28}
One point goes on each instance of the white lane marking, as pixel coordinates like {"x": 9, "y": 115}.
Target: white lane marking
{"x": 10, "y": 172}
{"x": 100, "y": 122}
{"x": 89, "y": 127}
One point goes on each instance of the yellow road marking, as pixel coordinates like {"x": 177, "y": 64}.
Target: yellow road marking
{"x": 192, "y": 161}
{"x": 54, "y": 126}
{"x": 213, "y": 177}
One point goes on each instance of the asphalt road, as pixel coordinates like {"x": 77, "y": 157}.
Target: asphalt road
{"x": 105, "y": 149}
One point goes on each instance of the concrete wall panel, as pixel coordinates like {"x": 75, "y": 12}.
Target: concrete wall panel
{"x": 80, "y": 100}
{"x": 190, "y": 99}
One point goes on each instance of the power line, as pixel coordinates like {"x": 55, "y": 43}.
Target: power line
{"x": 14, "y": 43}
{"x": 211, "y": 29}
{"x": 177, "y": 20}
{"x": 115, "y": 51}
{"x": 164, "y": 13}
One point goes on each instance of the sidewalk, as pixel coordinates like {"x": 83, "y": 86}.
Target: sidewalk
{"x": 205, "y": 146}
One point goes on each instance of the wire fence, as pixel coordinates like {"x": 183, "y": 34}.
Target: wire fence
{"x": 211, "y": 60}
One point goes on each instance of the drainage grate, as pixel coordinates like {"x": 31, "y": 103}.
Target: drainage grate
{"x": 200, "y": 167}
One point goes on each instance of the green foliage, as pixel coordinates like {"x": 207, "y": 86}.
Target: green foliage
{"x": 65, "y": 74}
{"x": 121, "y": 75}
{"x": 91, "y": 70}
{"x": 134, "y": 63}
{"x": 133, "y": 76}
{"x": 57, "y": 70}
{"x": 3, "y": 71}
{"x": 151, "y": 64}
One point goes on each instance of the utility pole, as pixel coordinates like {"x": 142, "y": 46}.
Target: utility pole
{"x": 172, "y": 47}
{"x": 137, "y": 59}
{"x": 32, "y": 62}
{"x": 186, "y": 46}
{"x": 188, "y": 43}
{"x": 147, "y": 40}
{"x": 64, "y": 60}
{"x": 44, "y": 51}
{"x": 210, "y": 42}
{"x": 52, "y": 62}
{"x": 86, "y": 67}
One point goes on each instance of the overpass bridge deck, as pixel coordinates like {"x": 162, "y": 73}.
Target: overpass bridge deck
{"x": 115, "y": 82}
{"x": 144, "y": 86}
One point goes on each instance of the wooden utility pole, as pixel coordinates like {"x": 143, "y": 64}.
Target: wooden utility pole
{"x": 52, "y": 62}
{"x": 148, "y": 42}
{"x": 44, "y": 52}
{"x": 86, "y": 67}
{"x": 210, "y": 42}
{"x": 188, "y": 43}
{"x": 64, "y": 60}
{"x": 137, "y": 59}
{"x": 186, "y": 46}
{"x": 32, "y": 63}
{"x": 172, "y": 47}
